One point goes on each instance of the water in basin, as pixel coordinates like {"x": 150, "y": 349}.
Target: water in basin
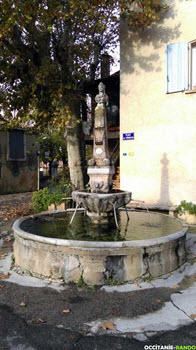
{"x": 140, "y": 226}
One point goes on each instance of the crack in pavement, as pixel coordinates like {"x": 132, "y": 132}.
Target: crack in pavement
{"x": 192, "y": 319}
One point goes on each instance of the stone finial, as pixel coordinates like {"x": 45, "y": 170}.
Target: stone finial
{"x": 102, "y": 98}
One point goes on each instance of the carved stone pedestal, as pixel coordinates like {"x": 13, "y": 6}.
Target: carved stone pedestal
{"x": 100, "y": 178}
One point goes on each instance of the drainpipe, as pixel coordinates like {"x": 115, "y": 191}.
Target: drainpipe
{"x": 38, "y": 174}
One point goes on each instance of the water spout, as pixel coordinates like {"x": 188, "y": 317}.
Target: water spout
{"x": 74, "y": 214}
{"x": 147, "y": 209}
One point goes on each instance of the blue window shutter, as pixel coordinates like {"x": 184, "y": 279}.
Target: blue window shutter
{"x": 177, "y": 67}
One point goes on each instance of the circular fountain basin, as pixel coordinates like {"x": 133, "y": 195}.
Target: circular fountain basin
{"x": 146, "y": 247}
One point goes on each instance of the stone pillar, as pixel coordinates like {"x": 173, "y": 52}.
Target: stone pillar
{"x": 100, "y": 169}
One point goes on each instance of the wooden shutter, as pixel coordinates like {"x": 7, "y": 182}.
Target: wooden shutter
{"x": 16, "y": 145}
{"x": 177, "y": 67}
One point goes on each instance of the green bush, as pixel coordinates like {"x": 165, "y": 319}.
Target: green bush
{"x": 188, "y": 206}
{"x": 61, "y": 183}
{"x": 58, "y": 187}
{"x": 43, "y": 198}
{"x": 40, "y": 200}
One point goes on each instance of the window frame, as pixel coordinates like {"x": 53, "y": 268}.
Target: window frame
{"x": 8, "y": 148}
{"x": 191, "y": 45}
{"x": 189, "y": 88}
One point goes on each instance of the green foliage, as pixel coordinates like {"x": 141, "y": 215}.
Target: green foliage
{"x": 55, "y": 197}
{"x": 91, "y": 288}
{"x": 87, "y": 187}
{"x": 46, "y": 54}
{"x": 51, "y": 49}
{"x": 58, "y": 187}
{"x": 186, "y": 206}
{"x": 89, "y": 152}
{"x": 54, "y": 142}
{"x": 61, "y": 183}
{"x": 43, "y": 198}
{"x": 113, "y": 282}
{"x": 12, "y": 260}
{"x": 141, "y": 14}
{"x": 81, "y": 282}
{"x": 148, "y": 280}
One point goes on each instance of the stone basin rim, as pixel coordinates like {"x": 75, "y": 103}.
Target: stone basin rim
{"x": 120, "y": 193}
{"x": 93, "y": 244}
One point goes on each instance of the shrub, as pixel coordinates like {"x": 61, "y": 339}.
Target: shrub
{"x": 40, "y": 200}
{"x": 61, "y": 183}
{"x": 188, "y": 206}
{"x": 58, "y": 188}
{"x": 43, "y": 198}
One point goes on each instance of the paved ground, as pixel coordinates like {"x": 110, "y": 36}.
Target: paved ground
{"x": 36, "y": 315}
{"x": 11, "y": 208}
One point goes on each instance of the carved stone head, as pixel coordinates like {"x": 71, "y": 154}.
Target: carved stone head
{"x": 101, "y": 88}
{"x": 102, "y": 98}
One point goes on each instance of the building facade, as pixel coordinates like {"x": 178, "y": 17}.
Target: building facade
{"x": 158, "y": 108}
{"x": 18, "y": 162}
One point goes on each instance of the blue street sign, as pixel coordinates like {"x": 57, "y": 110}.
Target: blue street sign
{"x": 124, "y": 154}
{"x": 128, "y": 136}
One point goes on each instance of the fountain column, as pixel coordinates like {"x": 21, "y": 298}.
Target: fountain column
{"x": 100, "y": 202}
{"x": 100, "y": 169}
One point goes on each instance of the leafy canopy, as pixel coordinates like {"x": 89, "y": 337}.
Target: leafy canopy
{"x": 53, "y": 142}
{"x": 50, "y": 49}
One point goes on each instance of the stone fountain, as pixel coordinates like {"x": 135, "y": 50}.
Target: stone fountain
{"x": 90, "y": 247}
{"x": 101, "y": 202}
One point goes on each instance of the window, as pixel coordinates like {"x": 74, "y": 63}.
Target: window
{"x": 181, "y": 66}
{"x": 16, "y": 145}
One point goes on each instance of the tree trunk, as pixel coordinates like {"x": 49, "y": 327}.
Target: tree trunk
{"x": 76, "y": 147}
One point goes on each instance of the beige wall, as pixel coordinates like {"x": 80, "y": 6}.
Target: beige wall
{"x": 160, "y": 166}
{"x": 19, "y": 176}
